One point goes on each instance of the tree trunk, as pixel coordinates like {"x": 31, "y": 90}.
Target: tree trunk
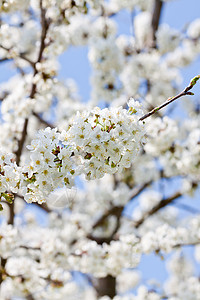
{"x": 105, "y": 286}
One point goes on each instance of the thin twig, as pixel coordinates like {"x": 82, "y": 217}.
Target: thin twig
{"x": 172, "y": 99}
{"x": 21, "y": 55}
{"x": 42, "y": 120}
{"x": 5, "y": 59}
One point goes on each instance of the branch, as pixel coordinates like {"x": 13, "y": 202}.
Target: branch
{"x": 2, "y": 267}
{"x": 30, "y": 297}
{"x": 114, "y": 211}
{"x": 18, "y": 152}
{"x": 5, "y": 59}
{"x": 42, "y": 205}
{"x": 21, "y": 55}
{"x": 170, "y": 100}
{"x": 45, "y": 26}
{"x": 137, "y": 191}
{"x": 161, "y": 204}
{"x": 43, "y": 121}
{"x": 156, "y": 19}
{"x": 105, "y": 286}
{"x": 117, "y": 210}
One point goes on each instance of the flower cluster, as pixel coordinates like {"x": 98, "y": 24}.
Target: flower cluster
{"x": 107, "y": 259}
{"x": 51, "y": 166}
{"x": 107, "y": 140}
{"x": 9, "y": 177}
{"x": 97, "y": 142}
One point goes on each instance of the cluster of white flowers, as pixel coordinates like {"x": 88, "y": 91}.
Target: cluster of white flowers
{"x": 182, "y": 282}
{"x": 165, "y": 238}
{"x": 107, "y": 140}
{"x": 147, "y": 201}
{"x": 51, "y": 166}
{"x": 190, "y": 161}
{"x": 106, "y": 61}
{"x": 142, "y": 26}
{"x": 107, "y": 259}
{"x": 194, "y": 29}
{"x": 170, "y": 144}
{"x": 127, "y": 280}
{"x": 9, "y": 176}
{"x": 105, "y": 193}
{"x": 164, "y": 132}
{"x": 168, "y": 39}
{"x": 9, "y": 239}
{"x": 39, "y": 258}
{"x": 97, "y": 142}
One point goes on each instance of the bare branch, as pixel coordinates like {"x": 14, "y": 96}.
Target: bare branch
{"x": 45, "y": 26}
{"x": 163, "y": 203}
{"x": 20, "y": 55}
{"x": 5, "y": 59}
{"x": 42, "y": 206}
{"x": 21, "y": 141}
{"x": 2, "y": 267}
{"x": 172, "y": 99}
{"x": 43, "y": 121}
{"x": 156, "y": 19}
{"x": 114, "y": 211}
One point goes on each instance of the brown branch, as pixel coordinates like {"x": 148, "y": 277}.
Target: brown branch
{"x": 158, "y": 4}
{"x": 18, "y": 152}
{"x": 163, "y": 203}
{"x": 117, "y": 210}
{"x": 20, "y": 55}
{"x": 43, "y": 205}
{"x": 29, "y": 248}
{"x": 114, "y": 211}
{"x": 43, "y": 121}
{"x": 5, "y": 59}
{"x": 30, "y": 297}
{"x": 11, "y": 213}
{"x": 45, "y": 25}
{"x": 170, "y": 100}
{"x": 187, "y": 245}
{"x": 2, "y": 268}
{"x": 137, "y": 191}
{"x": 105, "y": 286}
